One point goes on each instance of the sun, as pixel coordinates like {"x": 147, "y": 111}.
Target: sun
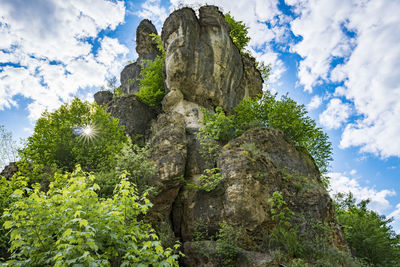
{"x": 87, "y": 133}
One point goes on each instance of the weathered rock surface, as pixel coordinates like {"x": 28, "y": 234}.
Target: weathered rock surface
{"x": 169, "y": 153}
{"x": 103, "y": 97}
{"x": 9, "y": 170}
{"x": 133, "y": 114}
{"x": 146, "y": 50}
{"x": 203, "y": 68}
{"x": 253, "y": 166}
{"x": 202, "y": 62}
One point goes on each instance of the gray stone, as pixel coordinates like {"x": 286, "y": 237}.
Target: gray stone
{"x": 133, "y": 114}
{"x": 9, "y": 170}
{"x": 103, "y": 97}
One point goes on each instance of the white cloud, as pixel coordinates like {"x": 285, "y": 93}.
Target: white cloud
{"x": 365, "y": 35}
{"x": 47, "y": 43}
{"x": 335, "y": 114}
{"x": 339, "y": 183}
{"x": 154, "y": 11}
{"x": 315, "y": 102}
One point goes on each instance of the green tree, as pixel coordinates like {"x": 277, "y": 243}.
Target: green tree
{"x": 369, "y": 235}
{"x": 152, "y": 82}
{"x": 72, "y": 226}
{"x": 268, "y": 111}
{"x": 238, "y": 32}
{"x": 76, "y": 133}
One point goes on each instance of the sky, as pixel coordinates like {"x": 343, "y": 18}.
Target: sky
{"x": 340, "y": 58}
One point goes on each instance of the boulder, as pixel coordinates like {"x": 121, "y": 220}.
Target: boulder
{"x": 9, "y": 170}
{"x": 133, "y": 114}
{"x": 253, "y": 166}
{"x": 103, "y": 97}
{"x": 202, "y": 62}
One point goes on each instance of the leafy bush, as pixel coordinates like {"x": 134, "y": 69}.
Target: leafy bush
{"x": 73, "y": 226}
{"x": 134, "y": 161}
{"x": 7, "y": 197}
{"x": 227, "y": 244}
{"x": 238, "y": 32}
{"x": 209, "y": 180}
{"x": 152, "y": 83}
{"x": 369, "y": 235}
{"x": 76, "y": 133}
{"x": 284, "y": 114}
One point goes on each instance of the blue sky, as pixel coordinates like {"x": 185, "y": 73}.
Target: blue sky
{"x": 340, "y": 58}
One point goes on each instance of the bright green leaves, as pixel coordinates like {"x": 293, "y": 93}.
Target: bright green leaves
{"x": 152, "y": 83}
{"x": 268, "y": 111}
{"x": 71, "y": 225}
{"x": 54, "y": 144}
{"x": 238, "y": 32}
{"x": 369, "y": 235}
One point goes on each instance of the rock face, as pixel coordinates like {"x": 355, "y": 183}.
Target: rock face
{"x": 9, "y": 170}
{"x": 103, "y": 97}
{"x": 203, "y": 68}
{"x": 146, "y": 50}
{"x": 133, "y": 114}
{"x": 202, "y": 62}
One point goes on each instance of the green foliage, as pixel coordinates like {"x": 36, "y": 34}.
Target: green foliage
{"x": 54, "y": 143}
{"x": 73, "y": 226}
{"x": 238, "y": 32}
{"x": 284, "y": 114}
{"x": 209, "y": 180}
{"x": 7, "y": 197}
{"x": 134, "y": 160}
{"x": 369, "y": 235}
{"x": 265, "y": 70}
{"x": 118, "y": 92}
{"x": 152, "y": 83}
{"x": 284, "y": 234}
{"x": 227, "y": 244}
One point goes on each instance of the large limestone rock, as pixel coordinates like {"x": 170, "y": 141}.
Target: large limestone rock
{"x": 253, "y": 166}
{"x": 202, "y": 62}
{"x": 133, "y": 114}
{"x": 146, "y": 50}
{"x": 169, "y": 153}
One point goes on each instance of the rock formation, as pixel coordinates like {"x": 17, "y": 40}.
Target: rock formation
{"x": 203, "y": 68}
{"x": 146, "y": 50}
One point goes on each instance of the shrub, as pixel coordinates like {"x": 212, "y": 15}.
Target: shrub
{"x": 284, "y": 114}
{"x": 369, "y": 235}
{"x": 134, "y": 160}
{"x": 227, "y": 244}
{"x": 238, "y": 32}
{"x": 152, "y": 83}
{"x": 73, "y": 226}
{"x": 76, "y": 133}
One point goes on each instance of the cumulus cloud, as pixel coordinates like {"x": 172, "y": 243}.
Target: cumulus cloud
{"x": 341, "y": 183}
{"x": 363, "y": 36}
{"x": 315, "y": 102}
{"x": 335, "y": 114}
{"x": 47, "y": 51}
{"x": 154, "y": 11}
